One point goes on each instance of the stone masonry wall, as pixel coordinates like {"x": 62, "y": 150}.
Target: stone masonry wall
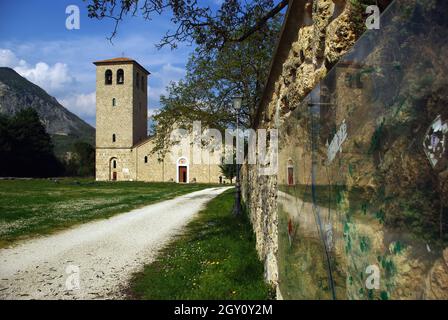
{"x": 316, "y": 34}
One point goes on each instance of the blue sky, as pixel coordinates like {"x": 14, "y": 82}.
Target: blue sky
{"x": 35, "y": 42}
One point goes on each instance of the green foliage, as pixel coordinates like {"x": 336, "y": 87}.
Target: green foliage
{"x": 384, "y": 295}
{"x": 213, "y": 77}
{"x": 215, "y": 258}
{"x": 397, "y": 247}
{"x": 229, "y": 170}
{"x": 375, "y": 142}
{"x": 380, "y": 215}
{"x": 195, "y": 21}
{"x": 82, "y": 161}
{"x": 364, "y": 244}
{"x": 26, "y": 149}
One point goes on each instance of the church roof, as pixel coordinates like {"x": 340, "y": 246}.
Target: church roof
{"x": 119, "y": 60}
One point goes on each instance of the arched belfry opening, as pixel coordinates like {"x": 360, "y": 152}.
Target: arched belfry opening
{"x": 120, "y": 76}
{"x": 108, "y": 77}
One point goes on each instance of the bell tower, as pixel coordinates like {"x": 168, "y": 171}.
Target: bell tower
{"x": 121, "y": 103}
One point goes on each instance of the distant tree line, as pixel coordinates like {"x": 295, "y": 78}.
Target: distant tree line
{"x": 26, "y": 150}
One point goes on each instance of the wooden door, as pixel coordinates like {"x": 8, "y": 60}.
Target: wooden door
{"x": 182, "y": 174}
{"x": 114, "y": 176}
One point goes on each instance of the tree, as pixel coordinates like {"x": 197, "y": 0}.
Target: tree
{"x": 205, "y": 94}
{"x": 229, "y": 170}
{"x": 232, "y": 22}
{"x": 82, "y": 161}
{"x": 233, "y": 50}
{"x": 25, "y": 147}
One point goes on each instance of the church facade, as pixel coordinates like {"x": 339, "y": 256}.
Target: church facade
{"x": 123, "y": 147}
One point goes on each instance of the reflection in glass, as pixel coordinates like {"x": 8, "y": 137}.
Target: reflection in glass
{"x": 363, "y": 198}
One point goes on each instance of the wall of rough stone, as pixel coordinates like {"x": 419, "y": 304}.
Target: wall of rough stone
{"x": 402, "y": 225}
{"x": 314, "y": 37}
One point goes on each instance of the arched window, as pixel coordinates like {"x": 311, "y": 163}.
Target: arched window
{"x": 114, "y": 102}
{"x": 108, "y": 77}
{"x": 146, "y": 159}
{"x": 143, "y": 83}
{"x": 113, "y": 138}
{"x": 114, "y": 164}
{"x": 120, "y": 76}
{"x": 138, "y": 80}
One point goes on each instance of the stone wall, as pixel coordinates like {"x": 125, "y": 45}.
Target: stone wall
{"x": 314, "y": 37}
{"x": 382, "y": 203}
{"x": 139, "y": 163}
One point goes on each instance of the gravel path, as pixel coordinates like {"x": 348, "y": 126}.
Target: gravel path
{"x": 95, "y": 260}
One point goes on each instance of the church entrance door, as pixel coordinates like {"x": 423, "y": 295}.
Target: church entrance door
{"x": 182, "y": 174}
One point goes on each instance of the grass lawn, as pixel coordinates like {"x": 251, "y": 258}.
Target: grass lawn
{"x": 41, "y": 206}
{"x": 214, "y": 258}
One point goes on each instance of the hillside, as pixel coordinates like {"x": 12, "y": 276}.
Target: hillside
{"x": 17, "y": 93}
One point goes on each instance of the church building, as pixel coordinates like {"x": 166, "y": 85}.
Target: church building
{"x": 123, "y": 147}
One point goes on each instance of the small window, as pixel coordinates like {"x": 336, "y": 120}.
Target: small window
{"x": 143, "y": 83}
{"x": 120, "y": 76}
{"x": 113, "y": 138}
{"x": 138, "y": 80}
{"x": 146, "y": 159}
{"x": 114, "y": 102}
{"x": 114, "y": 164}
{"x": 108, "y": 77}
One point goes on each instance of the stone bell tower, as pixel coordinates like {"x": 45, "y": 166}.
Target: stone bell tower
{"x": 121, "y": 103}
{"x": 121, "y": 117}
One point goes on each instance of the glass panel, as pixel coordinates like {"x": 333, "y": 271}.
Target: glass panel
{"x": 366, "y": 216}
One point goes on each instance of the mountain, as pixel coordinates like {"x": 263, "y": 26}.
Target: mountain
{"x": 65, "y": 128}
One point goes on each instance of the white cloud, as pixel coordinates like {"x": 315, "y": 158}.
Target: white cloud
{"x": 9, "y": 59}
{"x": 65, "y": 70}
{"x": 51, "y": 78}
{"x": 167, "y": 73}
{"x": 173, "y": 70}
{"x": 82, "y": 105}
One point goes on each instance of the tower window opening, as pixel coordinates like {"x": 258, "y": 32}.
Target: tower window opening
{"x": 108, "y": 77}
{"x": 143, "y": 83}
{"x": 138, "y": 80}
{"x": 146, "y": 159}
{"x": 114, "y": 102}
{"x": 113, "y": 138}
{"x": 120, "y": 76}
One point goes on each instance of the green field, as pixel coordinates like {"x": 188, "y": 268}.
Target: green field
{"x": 215, "y": 258}
{"x": 41, "y": 206}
